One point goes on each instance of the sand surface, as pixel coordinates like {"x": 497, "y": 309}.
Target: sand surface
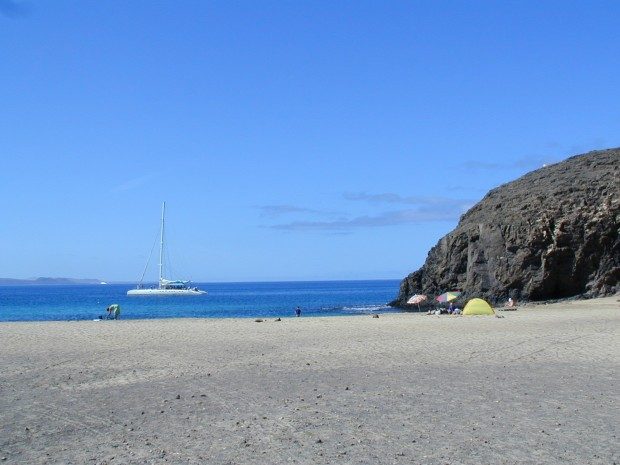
{"x": 538, "y": 386}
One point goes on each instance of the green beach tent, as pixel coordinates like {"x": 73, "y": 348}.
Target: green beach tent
{"x": 478, "y": 307}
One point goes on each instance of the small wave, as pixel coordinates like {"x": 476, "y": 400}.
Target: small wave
{"x": 365, "y": 309}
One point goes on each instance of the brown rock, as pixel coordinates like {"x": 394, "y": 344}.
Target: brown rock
{"x": 550, "y": 234}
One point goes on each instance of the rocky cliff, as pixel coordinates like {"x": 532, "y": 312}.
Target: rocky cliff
{"x": 553, "y": 233}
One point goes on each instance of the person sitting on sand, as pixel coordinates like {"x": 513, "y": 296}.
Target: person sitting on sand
{"x": 451, "y": 308}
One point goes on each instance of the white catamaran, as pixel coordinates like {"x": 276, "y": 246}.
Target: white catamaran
{"x": 166, "y": 286}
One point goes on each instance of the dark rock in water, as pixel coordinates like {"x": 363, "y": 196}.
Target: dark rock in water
{"x": 551, "y": 234}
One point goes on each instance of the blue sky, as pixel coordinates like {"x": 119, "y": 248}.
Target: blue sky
{"x": 291, "y": 140}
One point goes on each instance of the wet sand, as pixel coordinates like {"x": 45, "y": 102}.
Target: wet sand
{"x": 537, "y": 386}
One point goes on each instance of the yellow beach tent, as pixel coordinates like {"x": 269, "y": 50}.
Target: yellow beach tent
{"x": 478, "y": 307}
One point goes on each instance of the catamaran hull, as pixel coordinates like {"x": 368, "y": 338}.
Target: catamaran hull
{"x": 171, "y": 292}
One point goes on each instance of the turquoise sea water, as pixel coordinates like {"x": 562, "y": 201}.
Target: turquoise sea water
{"x": 234, "y": 300}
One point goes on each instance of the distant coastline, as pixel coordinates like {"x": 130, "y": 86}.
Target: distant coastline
{"x": 47, "y": 281}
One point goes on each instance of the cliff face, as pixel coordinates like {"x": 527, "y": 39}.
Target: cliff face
{"x": 550, "y": 234}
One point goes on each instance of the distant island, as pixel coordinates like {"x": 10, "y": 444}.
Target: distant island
{"x": 51, "y": 281}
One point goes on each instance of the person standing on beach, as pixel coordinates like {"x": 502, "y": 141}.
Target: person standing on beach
{"x": 298, "y": 311}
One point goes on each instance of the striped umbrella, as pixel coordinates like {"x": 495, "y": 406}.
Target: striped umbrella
{"x": 417, "y": 299}
{"x": 447, "y": 296}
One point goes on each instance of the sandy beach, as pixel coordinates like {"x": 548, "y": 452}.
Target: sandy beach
{"x": 539, "y": 386}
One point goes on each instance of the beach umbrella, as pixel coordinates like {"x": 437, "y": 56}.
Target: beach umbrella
{"x": 447, "y": 296}
{"x": 416, "y": 299}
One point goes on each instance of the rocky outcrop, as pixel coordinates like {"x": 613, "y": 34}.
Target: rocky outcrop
{"x": 553, "y": 233}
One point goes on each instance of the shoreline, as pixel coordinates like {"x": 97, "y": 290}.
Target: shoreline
{"x": 232, "y": 318}
{"x": 537, "y": 386}
{"x": 392, "y": 310}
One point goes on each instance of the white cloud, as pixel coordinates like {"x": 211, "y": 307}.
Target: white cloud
{"x": 133, "y": 183}
{"x": 426, "y": 209}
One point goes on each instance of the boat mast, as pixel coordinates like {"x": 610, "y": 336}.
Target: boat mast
{"x": 161, "y": 244}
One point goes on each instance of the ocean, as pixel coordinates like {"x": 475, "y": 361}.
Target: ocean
{"x": 224, "y": 300}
